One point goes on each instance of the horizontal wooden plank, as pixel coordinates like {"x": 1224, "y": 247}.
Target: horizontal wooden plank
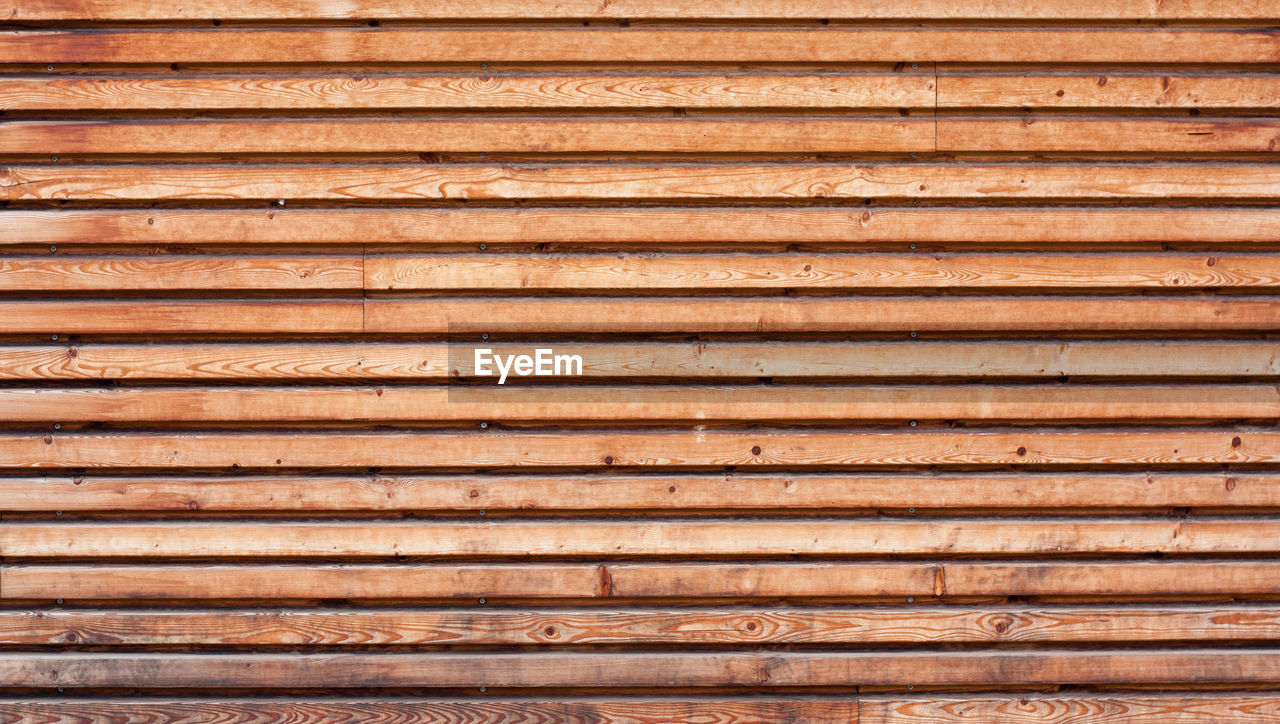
{"x": 576, "y": 133}
{"x": 97, "y": 273}
{"x": 684, "y": 710}
{"x": 586, "y": 315}
{"x": 845, "y": 625}
{"x": 1200, "y": 708}
{"x": 860, "y": 359}
{"x": 712, "y": 225}
{"x": 1107, "y": 90}
{"x": 473, "y": 90}
{"x": 638, "y": 272}
{"x": 950, "y": 578}
{"x": 1071, "y": 402}
{"x": 828, "y": 271}
{"x": 794, "y": 314}
{"x": 261, "y": 316}
{"x": 189, "y": 581}
{"x": 402, "y": 582}
{"x": 644, "y": 43}
{"x": 104, "y": 450}
{"x": 622, "y": 9}
{"x": 701, "y": 669}
{"x": 1032, "y": 133}
{"x": 565, "y": 180}
{"x": 792, "y": 492}
{"x": 654, "y": 537}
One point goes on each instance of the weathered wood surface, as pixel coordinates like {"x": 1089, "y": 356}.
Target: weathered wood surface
{"x": 929, "y": 361}
{"x": 609, "y": 492}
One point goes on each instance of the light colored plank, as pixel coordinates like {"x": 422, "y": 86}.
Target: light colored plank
{"x": 685, "y": 710}
{"x": 593, "y": 538}
{"x": 733, "y": 669}
{"x": 809, "y": 625}
{"x": 398, "y": 582}
{"x": 710, "y": 180}
{"x": 1199, "y": 708}
{"x": 97, "y": 273}
{"x": 791, "y": 403}
{"x": 586, "y": 315}
{"x": 826, "y": 271}
{"x": 501, "y": 133}
{"x": 474, "y": 90}
{"x": 701, "y": 448}
{"x": 175, "y": 316}
{"x": 619, "y": 225}
{"x": 1150, "y": 135}
{"x": 1108, "y": 90}
{"x": 644, "y": 43}
{"x": 950, "y": 578}
{"x": 732, "y": 491}
{"x": 859, "y": 359}
{"x": 622, "y": 9}
{"x": 609, "y": 315}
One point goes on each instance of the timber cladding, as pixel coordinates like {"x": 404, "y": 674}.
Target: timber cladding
{"x": 927, "y": 361}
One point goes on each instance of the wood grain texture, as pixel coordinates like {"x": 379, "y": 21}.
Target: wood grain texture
{"x": 621, "y": 9}
{"x": 96, "y": 273}
{"x": 1108, "y": 90}
{"x": 542, "y": 134}
{"x": 660, "y": 449}
{"x": 274, "y": 582}
{"x": 795, "y": 314}
{"x": 262, "y": 316}
{"x": 1045, "y": 133}
{"x": 670, "y": 493}
{"x": 621, "y": 225}
{"x": 644, "y": 43}
{"x": 709, "y": 180}
{"x": 638, "y": 626}
{"x": 684, "y": 710}
{"x": 862, "y": 271}
{"x": 659, "y": 538}
{"x": 474, "y": 90}
{"x": 955, "y": 358}
{"x": 666, "y": 581}
{"x": 791, "y": 403}
{"x": 725, "y": 670}
{"x": 1082, "y": 708}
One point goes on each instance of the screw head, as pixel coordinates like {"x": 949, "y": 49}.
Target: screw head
{"x": 48, "y": 67}
{"x": 57, "y": 425}
{"x": 484, "y": 66}
{"x": 911, "y": 510}
{"x": 912, "y": 423}
{"x": 484, "y": 335}
{"x": 483, "y": 247}
{"x": 484, "y": 425}
{"x": 915, "y": 66}
{"x": 58, "y": 512}
{"x": 483, "y": 601}
{"x": 914, "y": 335}
{"x": 53, "y": 158}
{"x": 913, "y": 246}
{"x": 60, "y": 690}
{"x": 55, "y": 338}
{"x": 59, "y": 600}
{"x": 280, "y": 202}
{"x": 483, "y": 690}
{"x": 53, "y": 248}
{"x": 482, "y": 512}
{"x": 911, "y": 599}
{"x": 914, "y": 154}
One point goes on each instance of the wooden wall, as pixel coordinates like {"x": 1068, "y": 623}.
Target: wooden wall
{"x": 930, "y": 347}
